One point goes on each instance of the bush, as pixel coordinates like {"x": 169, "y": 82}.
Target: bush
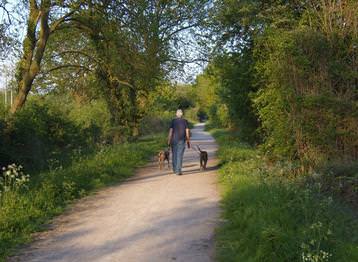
{"x": 307, "y": 108}
{"x": 219, "y": 116}
{"x": 12, "y": 179}
{"x": 94, "y": 120}
{"x": 37, "y": 134}
{"x": 271, "y": 216}
{"x": 155, "y": 123}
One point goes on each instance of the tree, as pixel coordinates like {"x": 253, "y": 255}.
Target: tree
{"x": 126, "y": 46}
{"x": 290, "y": 66}
{"x": 143, "y": 43}
{"x": 44, "y": 19}
{"x": 6, "y": 39}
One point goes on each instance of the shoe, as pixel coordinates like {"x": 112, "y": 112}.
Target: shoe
{"x": 179, "y": 174}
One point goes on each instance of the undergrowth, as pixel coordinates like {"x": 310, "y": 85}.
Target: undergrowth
{"x": 24, "y": 210}
{"x": 272, "y": 216}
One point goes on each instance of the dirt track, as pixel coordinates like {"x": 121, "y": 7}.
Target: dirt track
{"x": 154, "y": 216}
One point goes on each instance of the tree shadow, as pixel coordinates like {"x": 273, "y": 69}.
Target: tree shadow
{"x": 179, "y": 235}
{"x": 196, "y": 171}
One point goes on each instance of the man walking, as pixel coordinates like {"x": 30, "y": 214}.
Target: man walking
{"x": 178, "y": 135}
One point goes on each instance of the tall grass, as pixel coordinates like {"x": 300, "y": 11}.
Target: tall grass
{"x": 271, "y": 216}
{"x": 25, "y": 211}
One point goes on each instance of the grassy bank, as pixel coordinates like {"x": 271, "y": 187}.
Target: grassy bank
{"x": 25, "y": 210}
{"x": 271, "y": 216}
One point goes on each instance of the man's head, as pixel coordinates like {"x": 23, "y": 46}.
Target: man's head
{"x": 179, "y": 113}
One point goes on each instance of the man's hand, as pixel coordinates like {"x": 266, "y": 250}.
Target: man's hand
{"x": 170, "y": 136}
{"x": 187, "y": 131}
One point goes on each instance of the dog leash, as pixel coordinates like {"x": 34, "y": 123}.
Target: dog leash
{"x": 197, "y": 151}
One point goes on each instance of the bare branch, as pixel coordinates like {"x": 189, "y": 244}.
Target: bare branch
{"x": 182, "y": 29}
{"x": 3, "y": 7}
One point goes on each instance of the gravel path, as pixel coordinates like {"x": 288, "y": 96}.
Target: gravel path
{"x": 153, "y": 216}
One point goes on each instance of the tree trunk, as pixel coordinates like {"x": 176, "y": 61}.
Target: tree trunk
{"x": 33, "y": 49}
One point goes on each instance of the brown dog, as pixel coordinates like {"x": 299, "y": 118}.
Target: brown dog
{"x": 163, "y": 156}
{"x": 203, "y": 158}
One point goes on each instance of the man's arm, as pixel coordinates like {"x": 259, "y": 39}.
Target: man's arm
{"x": 170, "y": 135}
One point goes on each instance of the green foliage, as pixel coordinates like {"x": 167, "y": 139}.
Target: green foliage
{"x": 162, "y": 104}
{"x": 288, "y": 70}
{"x": 13, "y": 179}
{"x": 235, "y": 77}
{"x": 121, "y": 51}
{"x": 23, "y": 212}
{"x": 219, "y": 116}
{"x": 55, "y": 126}
{"x": 302, "y": 70}
{"x": 36, "y": 134}
{"x": 209, "y": 102}
{"x": 167, "y": 97}
{"x": 156, "y": 122}
{"x": 93, "y": 117}
{"x": 300, "y": 108}
{"x": 269, "y": 217}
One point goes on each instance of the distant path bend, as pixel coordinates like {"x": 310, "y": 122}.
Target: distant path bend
{"x": 153, "y": 216}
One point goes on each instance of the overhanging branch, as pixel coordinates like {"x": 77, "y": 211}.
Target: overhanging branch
{"x": 78, "y": 52}
{"x": 67, "y": 66}
{"x": 188, "y": 61}
{"x": 54, "y": 26}
{"x": 3, "y": 7}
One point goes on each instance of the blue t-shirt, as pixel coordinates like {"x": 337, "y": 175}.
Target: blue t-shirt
{"x": 179, "y": 126}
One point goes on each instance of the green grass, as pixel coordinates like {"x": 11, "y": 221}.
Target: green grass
{"x": 270, "y": 216}
{"x": 22, "y": 213}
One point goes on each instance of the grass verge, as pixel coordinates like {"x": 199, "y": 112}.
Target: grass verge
{"x": 24, "y": 212}
{"x": 270, "y": 216}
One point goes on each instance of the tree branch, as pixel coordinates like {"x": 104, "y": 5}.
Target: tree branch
{"x": 168, "y": 36}
{"x": 188, "y": 61}
{"x": 67, "y": 66}
{"x": 3, "y": 7}
{"x": 78, "y": 52}
{"x": 62, "y": 19}
{"x": 122, "y": 82}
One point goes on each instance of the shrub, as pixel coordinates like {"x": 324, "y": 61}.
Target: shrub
{"x": 38, "y": 133}
{"x": 13, "y": 179}
{"x": 307, "y": 111}
{"x": 271, "y": 216}
{"x": 156, "y": 122}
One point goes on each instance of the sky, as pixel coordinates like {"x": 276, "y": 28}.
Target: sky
{"x": 7, "y": 63}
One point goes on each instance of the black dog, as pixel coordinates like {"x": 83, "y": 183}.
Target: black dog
{"x": 203, "y": 158}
